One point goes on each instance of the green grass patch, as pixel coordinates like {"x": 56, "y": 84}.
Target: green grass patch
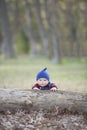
{"x": 20, "y": 73}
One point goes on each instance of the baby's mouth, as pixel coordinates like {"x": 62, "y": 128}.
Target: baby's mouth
{"x": 42, "y": 84}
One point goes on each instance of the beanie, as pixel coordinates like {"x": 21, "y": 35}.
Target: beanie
{"x": 43, "y": 74}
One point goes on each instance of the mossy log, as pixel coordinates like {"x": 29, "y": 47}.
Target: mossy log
{"x": 13, "y": 99}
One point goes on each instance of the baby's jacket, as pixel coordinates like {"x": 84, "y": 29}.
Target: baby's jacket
{"x": 47, "y": 87}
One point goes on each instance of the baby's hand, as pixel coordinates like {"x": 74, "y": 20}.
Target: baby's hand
{"x": 36, "y": 88}
{"x": 53, "y": 89}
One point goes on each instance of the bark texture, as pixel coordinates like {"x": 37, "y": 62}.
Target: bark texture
{"x": 7, "y": 46}
{"x": 13, "y": 99}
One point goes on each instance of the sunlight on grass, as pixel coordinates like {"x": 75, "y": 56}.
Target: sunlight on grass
{"x": 21, "y": 73}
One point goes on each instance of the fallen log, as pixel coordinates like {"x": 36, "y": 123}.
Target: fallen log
{"x": 13, "y": 99}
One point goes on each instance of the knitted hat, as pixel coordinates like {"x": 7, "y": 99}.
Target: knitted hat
{"x": 43, "y": 74}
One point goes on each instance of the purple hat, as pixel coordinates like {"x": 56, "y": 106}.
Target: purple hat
{"x": 43, "y": 74}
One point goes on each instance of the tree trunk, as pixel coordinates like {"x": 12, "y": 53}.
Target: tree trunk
{"x": 41, "y": 27}
{"x": 13, "y": 99}
{"x": 7, "y": 46}
{"x": 69, "y": 23}
{"x": 30, "y": 30}
{"x": 16, "y": 14}
{"x": 52, "y": 18}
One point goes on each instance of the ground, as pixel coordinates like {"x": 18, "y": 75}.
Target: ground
{"x": 42, "y": 120}
{"x": 70, "y": 75}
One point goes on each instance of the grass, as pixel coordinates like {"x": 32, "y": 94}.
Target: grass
{"x": 71, "y": 75}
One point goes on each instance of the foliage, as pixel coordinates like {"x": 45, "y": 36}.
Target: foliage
{"x": 67, "y": 19}
{"x": 21, "y": 43}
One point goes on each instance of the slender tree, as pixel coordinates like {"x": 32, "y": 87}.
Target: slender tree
{"x": 29, "y": 29}
{"x": 16, "y": 21}
{"x": 42, "y": 30}
{"x": 7, "y": 46}
{"x": 52, "y": 18}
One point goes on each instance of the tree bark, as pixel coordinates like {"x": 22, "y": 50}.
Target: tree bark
{"x": 52, "y": 18}
{"x": 7, "y": 46}
{"x": 16, "y": 14}
{"x": 14, "y": 99}
{"x": 30, "y": 30}
{"x": 41, "y": 27}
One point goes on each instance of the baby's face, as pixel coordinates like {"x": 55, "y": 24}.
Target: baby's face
{"x": 42, "y": 82}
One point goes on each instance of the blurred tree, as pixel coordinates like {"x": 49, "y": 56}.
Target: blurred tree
{"x": 50, "y": 16}
{"x": 55, "y": 27}
{"x": 29, "y": 29}
{"x": 41, "y": 27}
{"x": 83, "y": 10}
{"x": 7, "y": 46}
{"x": 16, "y": 18}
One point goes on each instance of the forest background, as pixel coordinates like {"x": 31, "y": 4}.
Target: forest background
{"x": 43, "y": 33}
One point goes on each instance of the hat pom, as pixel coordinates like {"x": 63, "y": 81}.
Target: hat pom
{"x": 43, "y": 74}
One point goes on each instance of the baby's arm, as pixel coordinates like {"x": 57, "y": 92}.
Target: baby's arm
{"x": 36, "y": 87}
{"x": 53, "y": 87}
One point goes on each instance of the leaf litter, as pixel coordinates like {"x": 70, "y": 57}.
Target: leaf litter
{"x": 42, "y": 120}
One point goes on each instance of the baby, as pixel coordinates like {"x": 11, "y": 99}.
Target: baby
{"x": 43, "y": 81}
